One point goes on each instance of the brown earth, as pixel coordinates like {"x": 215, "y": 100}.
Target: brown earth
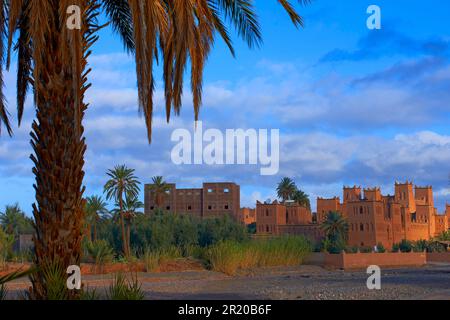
{"x": 294, "y": 283}
{"x": 113, "y": 268}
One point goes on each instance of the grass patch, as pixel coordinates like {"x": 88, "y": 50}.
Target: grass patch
{"x": 154, "y": 259}
{"x": 229, "y": 256}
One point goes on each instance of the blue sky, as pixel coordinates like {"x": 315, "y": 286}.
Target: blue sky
{"x": 354, "y": 106}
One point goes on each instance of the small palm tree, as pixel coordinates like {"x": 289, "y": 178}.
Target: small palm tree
{"x": 158, "y": 189}
{"x": 122, "y": 183}
{"x": 95, "y": 209}
{"x": 335, "y": 228}
{"x": 14, "y": 221}
{"x": 286, "y": 189}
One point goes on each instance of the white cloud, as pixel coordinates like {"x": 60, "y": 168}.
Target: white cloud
{"x": 318, "y": 120}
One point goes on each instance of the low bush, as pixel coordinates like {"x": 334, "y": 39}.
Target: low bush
{"x": 381, "y": 248}
{"x": 6, "y": 245}
{"x": 403, "y": 246}
{"x": 100, "y": 252}
{"x": 125, "y": 289}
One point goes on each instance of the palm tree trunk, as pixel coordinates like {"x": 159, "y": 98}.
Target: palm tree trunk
{"x": 122, "y": 225}
{"x": 58, "y": 143}
{"x": 95, "y": 231}
{"x": 90, "y": 232}
{"x": 59, "y": 159}
{"x": 129, "y": 237}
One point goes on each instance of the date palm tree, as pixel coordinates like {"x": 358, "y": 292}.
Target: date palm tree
{"x": 302, "y": 199}
{"x": 130, "y": 209}
{"x": 336, "y": 229}
{"x": 122, "y": 183}
{"x": 158, "y": 189}
{"x": 53, "y": 63}
{"x": 95, "y": 208}
{"x": 14, "y": 221}
{"x": 286, "y": 189}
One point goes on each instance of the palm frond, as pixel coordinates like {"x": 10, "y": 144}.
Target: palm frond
{"x": 4, "y": 115}
{"x": 16, "y": 275}
{"x": 243, "y": 16}
{"x": 119, "y": 13}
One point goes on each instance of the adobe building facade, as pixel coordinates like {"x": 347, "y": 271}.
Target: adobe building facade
{"x": 287, "y": 218}
{"x": 447, "y": 213}
{"x": 247, "y": 216}
{"x": 212, "y": 200}
{"x": 373, "y": 218}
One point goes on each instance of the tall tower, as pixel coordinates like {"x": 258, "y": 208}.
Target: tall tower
{"x": 425, "y": 195}
{"x": 373, "y": 194}
{"x": 405, "y": 196}
{"x": 447, "y": 213}
{"x": 352, "y": 194}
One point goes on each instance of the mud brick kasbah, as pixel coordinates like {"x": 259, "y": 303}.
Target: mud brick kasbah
{"x": 213, "y": 200}
{"x": 373, "y": 218}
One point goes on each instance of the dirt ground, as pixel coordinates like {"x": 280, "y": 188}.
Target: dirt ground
{"x": 297, "y": 283}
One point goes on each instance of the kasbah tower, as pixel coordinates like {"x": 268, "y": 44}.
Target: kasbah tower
{"x": 373, "y": 218}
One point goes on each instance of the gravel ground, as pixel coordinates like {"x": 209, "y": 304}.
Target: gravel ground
{"x": 299, "y": 283}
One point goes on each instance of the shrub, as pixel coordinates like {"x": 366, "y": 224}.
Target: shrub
{"x": 381, "y": 248}
{"x": 351, "y": 249}
{"x": 434, "y": 246}
{"x": 333, "y": 246}
{"x": 365, "y": 249}
{"x": 6, "y": 244}
{"x": 251, "y": 228}
{"x": 445, "y": 236}
{"x": 403, "y": 246}
{"x": 420, "y": 246}
{"x": 100, "y": 252}
{"x": 125, "y": 289}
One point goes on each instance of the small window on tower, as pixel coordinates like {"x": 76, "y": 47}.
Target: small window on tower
{"x": 209, "y": 207}
{"x": 227, "y": 207}
{"x": 189, "y": 208}
{"x": 226, "y": 190}
{"x": 168, "y": 208}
